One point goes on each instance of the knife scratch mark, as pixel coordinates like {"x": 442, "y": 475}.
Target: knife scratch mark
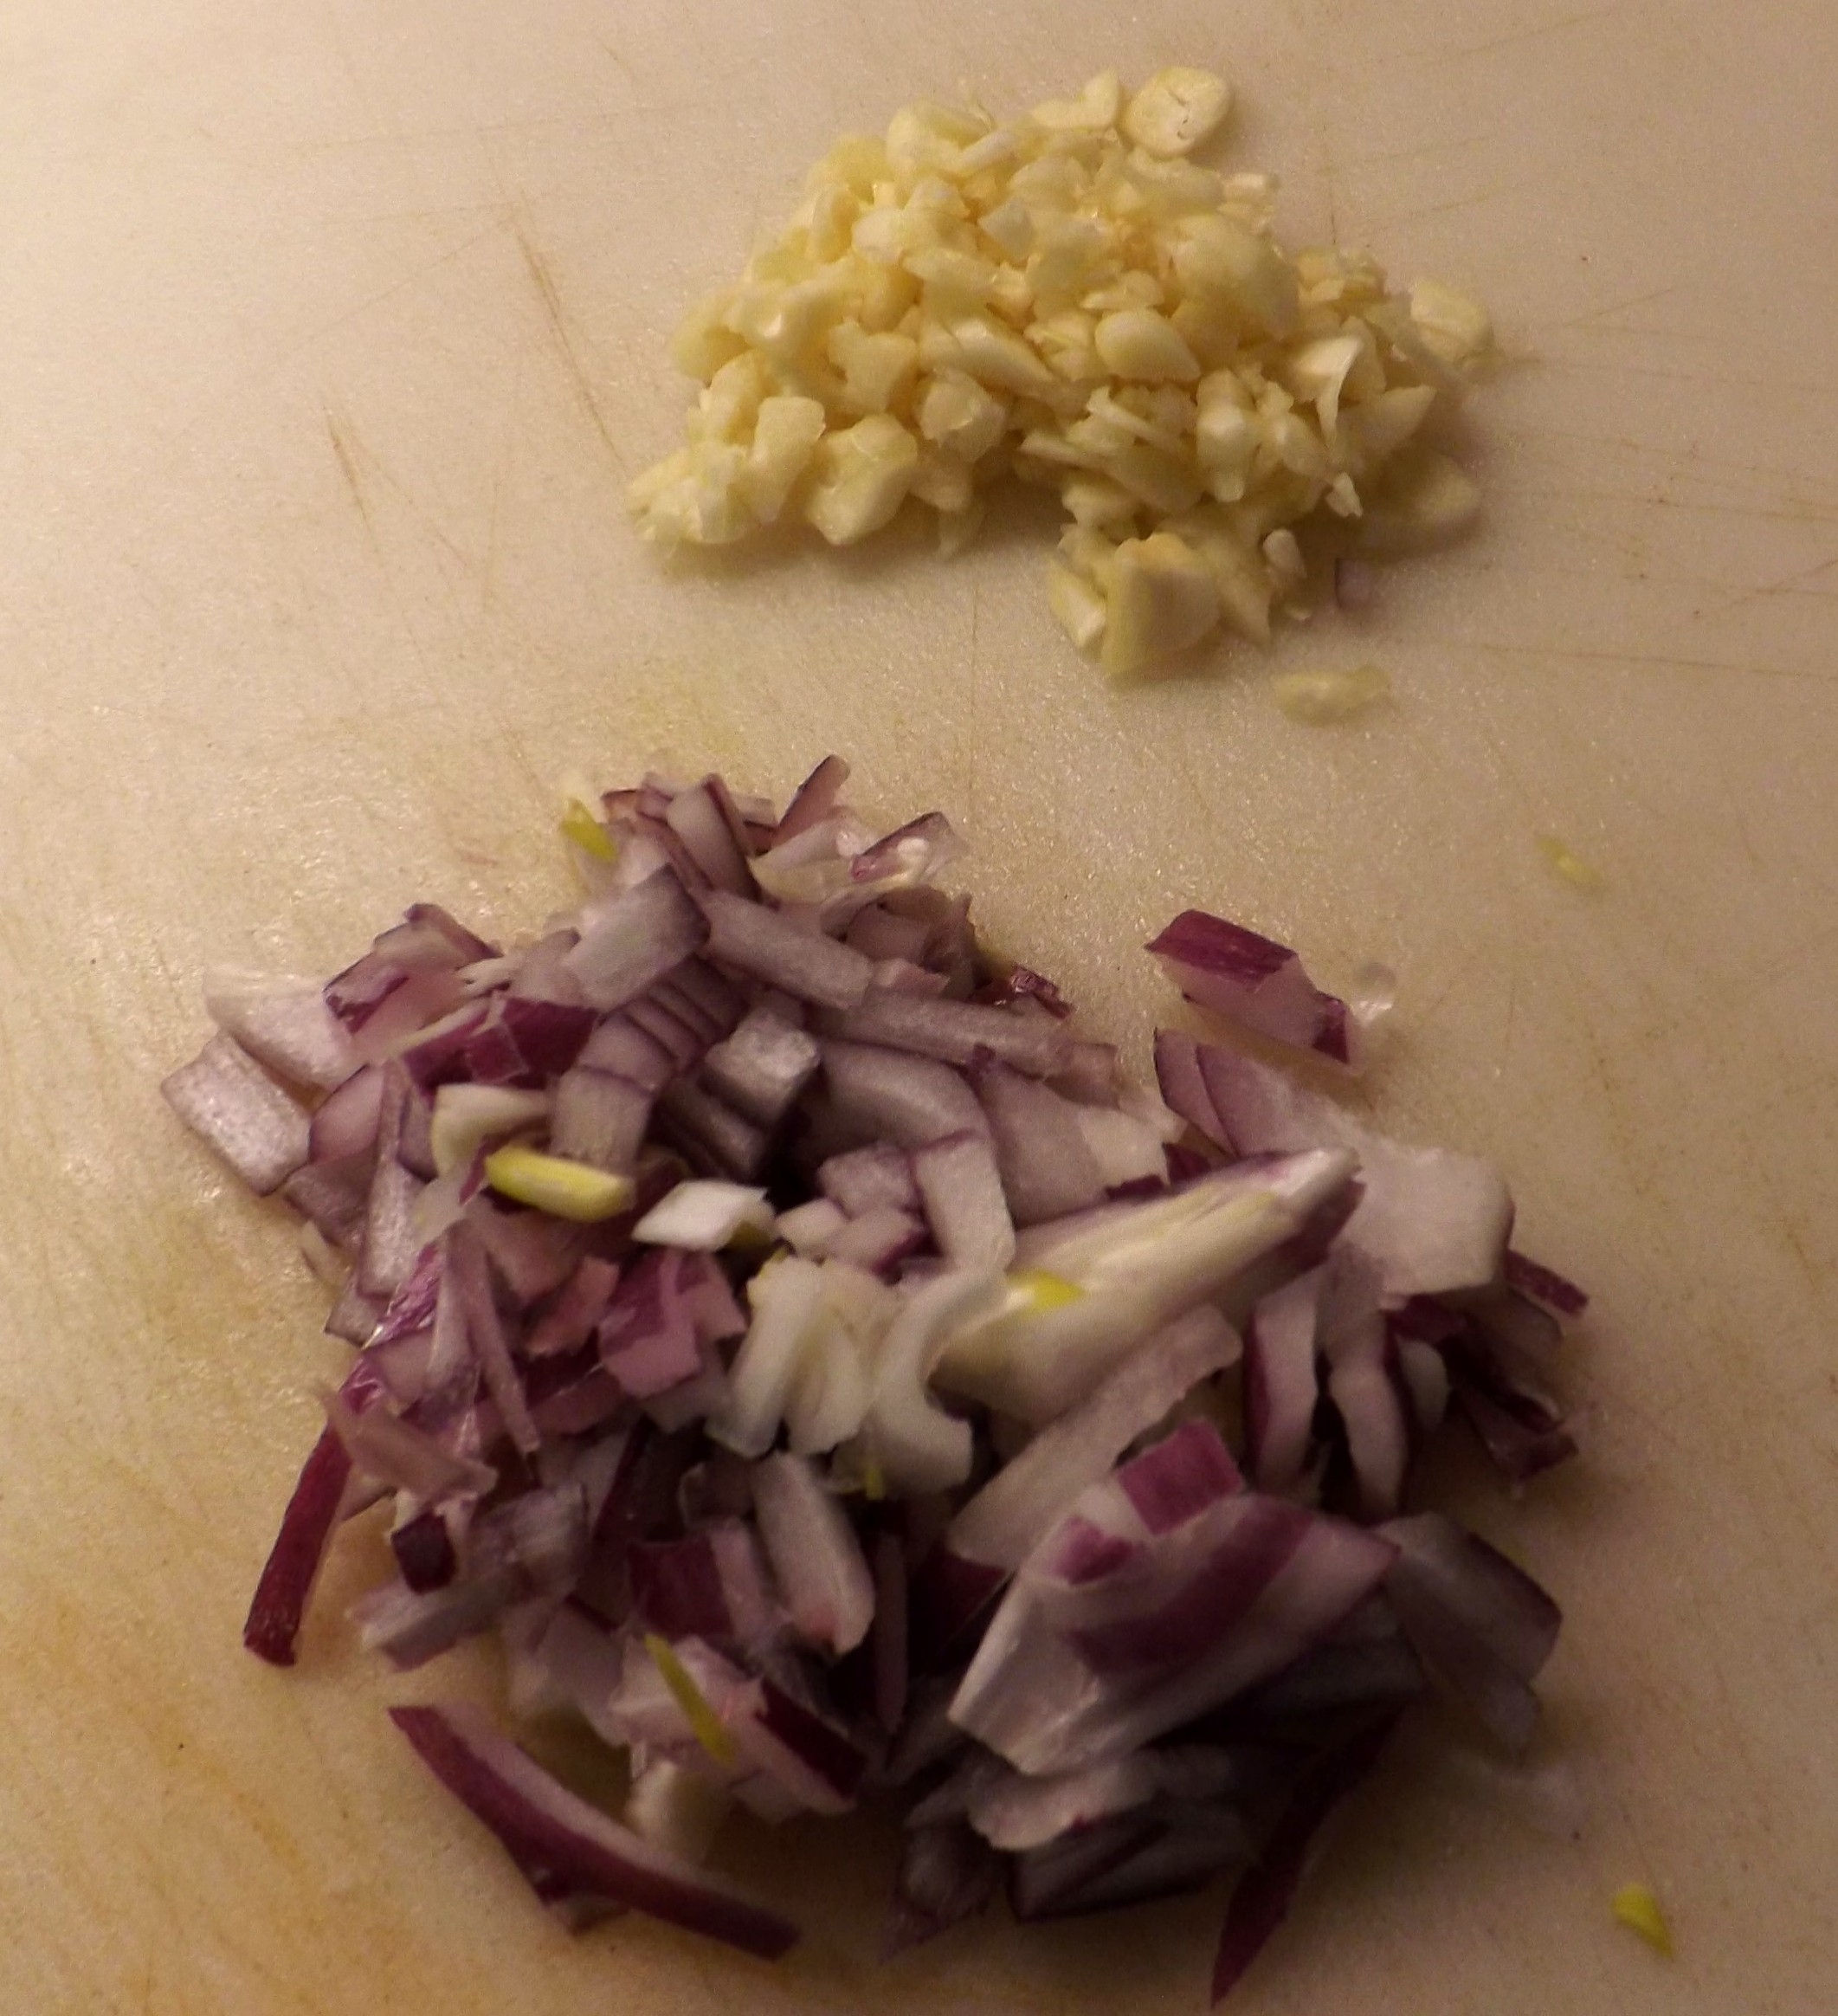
{"x": 546, "y": 292}
{"x": 344, "y": 452}
{"x": 1643, "y": 661}
{"x": 1436, "y": 210}
{"x": 1788, "y": 584}
{"x": 1596, "y": 316}
{"x": 1537, "y": 28}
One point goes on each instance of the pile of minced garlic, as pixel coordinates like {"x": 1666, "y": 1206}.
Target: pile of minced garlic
{"x": 1069, "y": 299}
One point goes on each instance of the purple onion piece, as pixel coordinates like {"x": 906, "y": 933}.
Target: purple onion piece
{"x": 1261, "y": 1900}
{"x": 226, "y": 1098}
{"x": 947, "y": 1873}
{"x": 630, "y": 941}
{"x": 1543, "y": 1284}
{"x": 1256, "y": 982}
{"x": 768, "y": 947}
{"x": 279, "y": 1603}
{"x": 813, "y": 801}
{"x": 540, "y": 1821}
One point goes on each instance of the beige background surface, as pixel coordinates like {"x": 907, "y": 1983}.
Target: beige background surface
{"x": 331, "y": 335}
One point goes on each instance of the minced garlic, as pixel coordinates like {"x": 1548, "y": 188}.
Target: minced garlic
{"x": 1067, "y": 298}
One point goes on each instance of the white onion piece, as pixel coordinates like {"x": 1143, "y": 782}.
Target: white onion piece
{"x": 1139, "y": 1267}
{"x": 467, "y": 1116}
{"x": 817, "y": 1561}
{"x": 786, "y": 1297}
{"x": 703, "y": 1217}
{"x": 961, "y": 1187}
{"x": 918, "y": 1445}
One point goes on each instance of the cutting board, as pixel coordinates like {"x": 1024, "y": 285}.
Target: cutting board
{"x": 332, "y": 336}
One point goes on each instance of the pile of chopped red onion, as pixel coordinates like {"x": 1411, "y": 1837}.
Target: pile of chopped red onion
{"x": 833, "y": 1381}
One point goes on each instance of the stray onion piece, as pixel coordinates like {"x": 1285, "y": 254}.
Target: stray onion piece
{"x": 1066, "y": 298}
{"x": 833, "y": 1381}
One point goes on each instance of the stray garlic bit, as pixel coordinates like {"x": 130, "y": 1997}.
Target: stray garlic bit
{"x": 1322, "y": 695}
{"x": 1566, "y": 866}
{"x": 1636, "y": 1907}
{"x": 1069, "y": 298}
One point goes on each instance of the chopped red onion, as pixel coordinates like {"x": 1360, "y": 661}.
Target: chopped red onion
{"x": 1433, "y": 1220}
{"x": 1482, "y": 1628}
{"x": 709, "y": 1584}
{"x": 599, "y": 1118}
{"x": 873, "y": 1179}
{"x": 1531, "y": 1277}
{"x": 878, "y": 1240}
{"x": 226, "y": 1098}
{"x": 540, "y": 1821}
{"x": 947, "y": 1873}
{"x": 648, "y": 1340}
{"x": 279, "y": 1601}
{"x": 1280, "y": 1384}
{"x": 345, "y": 1124}
{"x": 814, "y": 799}
{"x": 334, "y": 1196}
{"x": 889, "y": 1095}
{"x": 397, "y": 1453}
{"x": 955, "y": 1031}
{"x": 768, "y": 947}
{"x": 465, "y": 1257}
{"x": 701, "y": 818}
{"x": 629, "y": 942}
{"x": 1098, "y": 1648}
{"x": 761, "y": 1069}
{"x": 620, "y": 1046}
{"x": 284, "y": 1022}
{"x": 1048, "y": 1169}
{"x": 1013, "y": 1511}
{"x": 1257, "y": 982}
{"x": 719, "y": 1500}
{"x": 1022, "y": 986}
{"x": 425, "y": 1556}
{"x": 1353, "y": 1339}
{"x": 1265, "y": 1892}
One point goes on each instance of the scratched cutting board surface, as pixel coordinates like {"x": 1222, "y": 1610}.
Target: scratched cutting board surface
{"x": 331, "y": 338}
